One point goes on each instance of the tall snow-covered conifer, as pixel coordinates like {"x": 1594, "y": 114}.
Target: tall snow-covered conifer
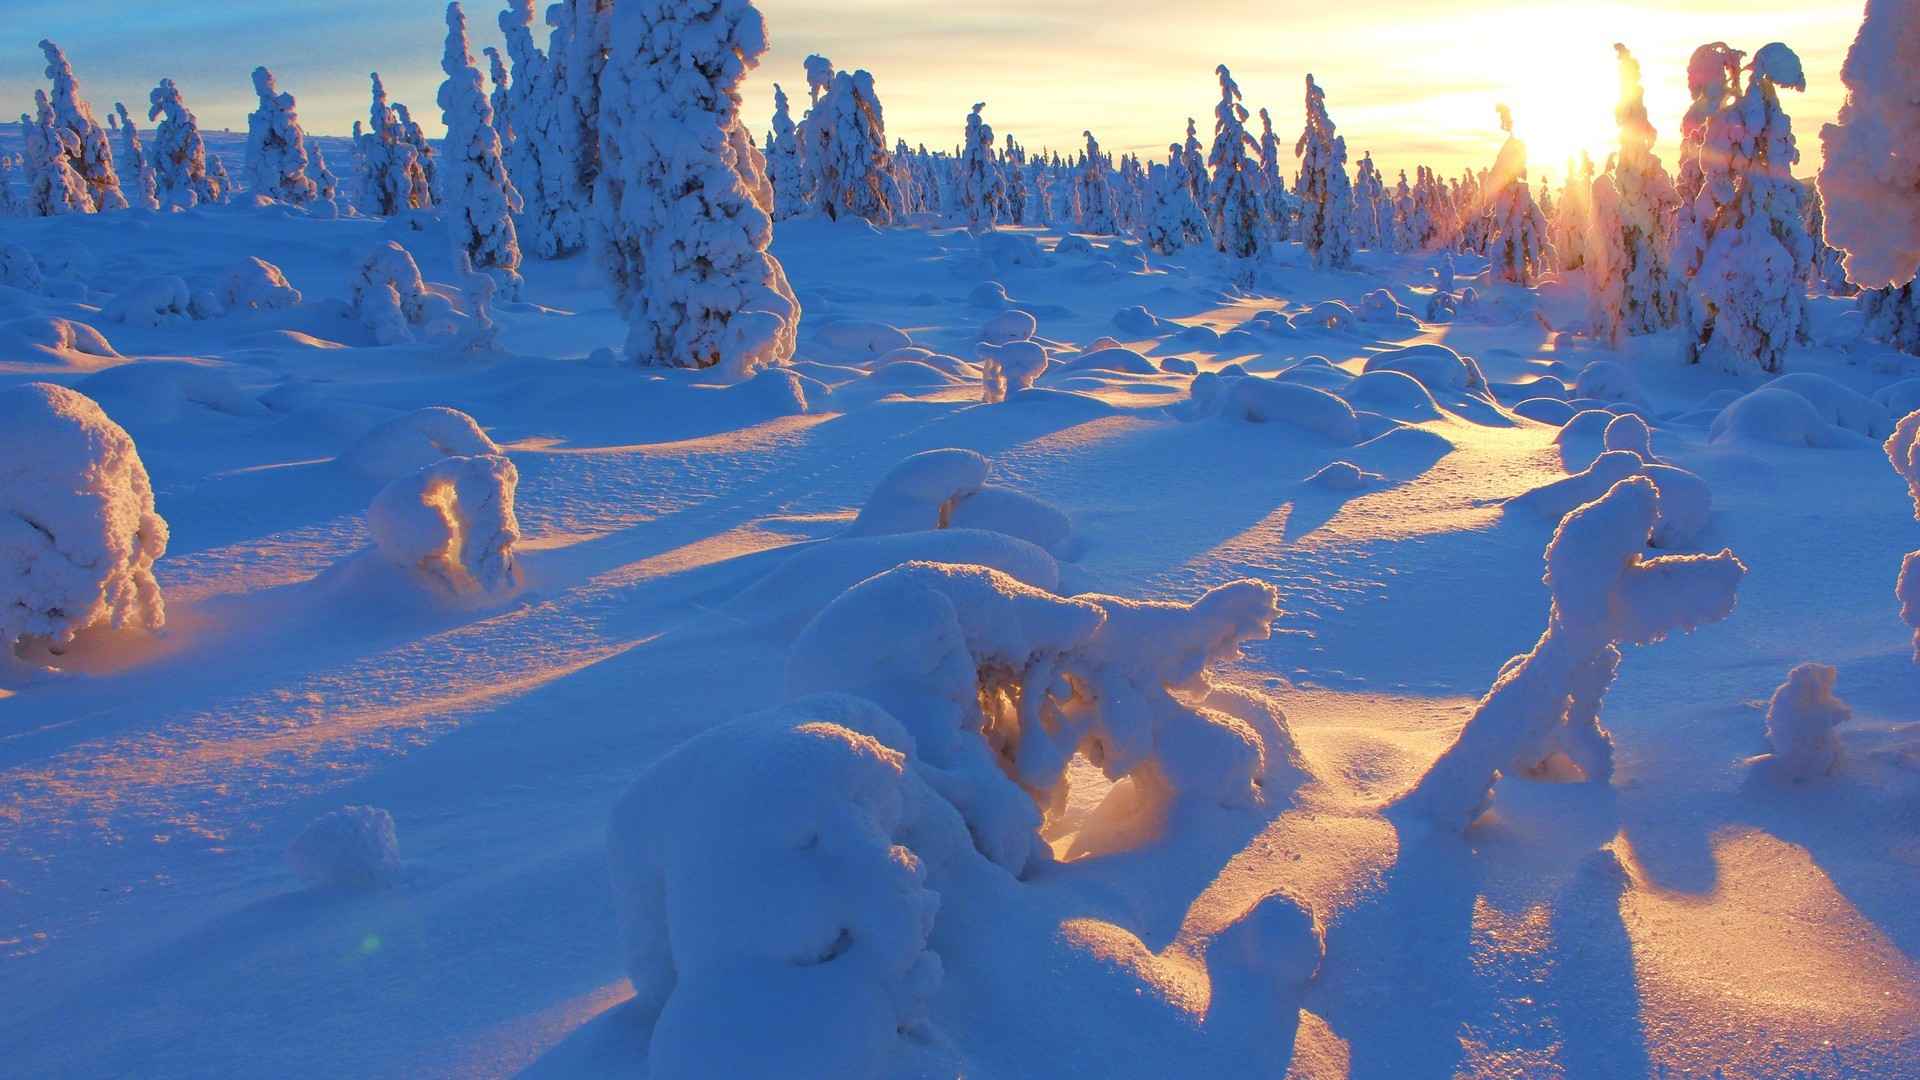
{"x": 1327, "y": 217}
{"x": 276, "y": 145}
{"x": 93, "y": 159}
{"x": 392, "y": 179}
{"x": 480, "y": 198}
{"x": 1518, "y": 246}
{"x": 179, "y": 154}
{"x": 846, "y": 152}
{"x": 983, "y": 190}
{"x": 134, "y": 157}
{"x": 1633, "y": 289}
{"x": 790, "y": 195}
{"x": 52, "y": 186}
{"x": 1233, "y": 198}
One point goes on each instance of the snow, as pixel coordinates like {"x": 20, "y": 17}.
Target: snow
{"x": 354, "y": 847}
{"x": 1869, "y": 168}
{"x": 1801, "y": 717}
{"x": 78, "y": 531}
{"x": 452, "y": 522}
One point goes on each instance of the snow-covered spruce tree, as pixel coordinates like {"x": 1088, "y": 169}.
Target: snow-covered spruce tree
{"x": 1704, "y": 182}
{"x": 222, "y": 181}
{"x": 552, "y": 223}
{"x": 1870, "y": 176}
{"x": 52, "y": 185}
{"x": 846, "y": 152}
{"x": 1173, "y": 221}
{"x": 497, "y": 100}
{"x": 581, "y": 29}
{"x": 414, "y": 135}
{"x": 1903, "y": 451}
{"x": 790, "y": 196}
{"x": 1014, "y": 164}
{"x": 179, "y": 154}
{"x": 479, "y": 197}
{"x": 391, "y": 179}
{"x": 1519, "y": 246}
{"x": 1543, "y": 711}
{"x": 1748, "y": 301}
{"x": 1196, "y": 163}
{"x": 1368, "y": 194}
{"x": 326, "y": 186}
{"x": 1633, "y": 290}
{"x": 93, "y": 159}
{"x": 1327, "y": 216}
{"x": 983, "y": 190}
{"x": 1570, "y": 220}
{"x": 1276, "y": 204}
{"x": 276, "y": 146}
{"x": 134, "y": 158}
{"x": 681, "y": 222}
{"x": 1233, "y": 197}
{"x": 1092, "y": 192}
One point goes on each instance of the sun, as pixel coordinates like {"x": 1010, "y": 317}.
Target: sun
{"x": 1562, "y": 107}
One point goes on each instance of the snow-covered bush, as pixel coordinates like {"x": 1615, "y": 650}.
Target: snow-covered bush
{"x": 354, "y": 847}
{"x": 326, "y": 185}
{"x": 1685, "y": 502}
{"x": 479, "y": 197}
{"x": 256, "y": 285}
{"x": 1327, "y": 218}
{"x": 89, "y": 151}
{"x": 1801, "y": 717}
{"x": 770, "y": 875}
{"x": 1017, "y": 365}
{"x": 1000, "y": 684}
{"x": 681, "y": 209}
{"x": 791, "y": 196}
{"x": 453, "y": 523}
{"x": 1258, "y": 400}
{"x": 134, "y": 157}
{"x": 78, "y": 530}
{"x": 387, "y": 295}
{"x": 151, "y": 302}
{"x": 277, "y": 146}
{"x": 948, "y": 488}
{"x": 1903, "y": 450}
{"x": 19, "y": 269}
{"x": 412, "y": 441}
{"x": 179, "y": 154}
{"x": 846, "y": 152}
{"x": 1870, "y": 173}
{"x": 1543, "y": 712}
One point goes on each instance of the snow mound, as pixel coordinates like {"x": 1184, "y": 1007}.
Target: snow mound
{"x": 1257, "y": 400}
{"x": 78, "y": 531}
{"x": 1546, "y": 410}
{"x": 1278, "y": 941}
{"x": 1899, "y": 399}
{"x": 161, "y": 391}
{"x": 1542, "y": 715}
{"x": 1114, "y": 358}
{"x": 257, "y": 285}
{"x": 19, "y": 269}
{"x": 354, "y": 847}
{"x": 1777, "y": 416}
{"x": 859, "y": 339}
{"x": 1343, "y": 476}
{"x": 1001, "y": 684}
{"x": 1838, "y": 405}
{"x": 1325, "y": 315}
{"x": 1608, "y": 380}
{"x": 1801, "y": 717}
{"x": 770, "y": 876}
{"x": 940, "y": 489}
{"x": 1627, "y": 431}
{"x": 1137, "y": 322}
{"x": 1392, "y": 393}
{"x": 1179, "y": 365}
{"x": 152, "y": 302}
{"x": 1010, "y": 325}
{"x": 453, "y": 523}
{"x": 388, "y": 297}
{"x": 1007, "y": 368}
{"x": 411, "y": 442}
{"x": 63, "y": 341}
{"x": 1685, "y": 501}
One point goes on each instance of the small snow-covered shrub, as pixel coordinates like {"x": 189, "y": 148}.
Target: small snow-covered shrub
{"x": 453, "y": 522}
{"x": 1000, "y": 684}
{"x": 354, "y": 847}
{"x": 1004, "y": 369}
{"x": 1257, "y": 400}
{"x": 1543, "y": 713}
{"x": 78, "y": 530}
{"x": 62, "y": 341}
{"x": 1801, "y": 717}
{"x": 1010, "y": 325}
{"x": 388, "y": 295}
{"x": 770, "y": 877}
{"x": 1628, "y": 432}
{"x": 1608, "y": 380}
{"x": 1325, "y": 315}
{"x": 940, "y": 489}
{"x": 1903, "y": 450}
{"x": 412, "y": 441}
{"x": 257, "y": 285}
{"x": 152, "y": 302}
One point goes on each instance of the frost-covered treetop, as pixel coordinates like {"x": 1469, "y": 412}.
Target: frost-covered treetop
{"x": 819, "y": 76}
{"x": 1870, "y": 179}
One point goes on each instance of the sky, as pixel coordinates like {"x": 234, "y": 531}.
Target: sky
{"x": 1413, "y": 81}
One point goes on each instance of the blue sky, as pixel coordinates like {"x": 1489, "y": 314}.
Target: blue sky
{"x": 1412, "y": 80}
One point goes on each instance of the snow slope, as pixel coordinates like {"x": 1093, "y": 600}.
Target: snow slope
{"x": 1695, "y": 914}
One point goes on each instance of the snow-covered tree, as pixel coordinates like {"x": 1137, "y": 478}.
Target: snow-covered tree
{"x": 582, "y": 30}
{"x": 423, "y": 152}
{"x": 276, "y": 146}
{"x": 480, "y": 199}
{"x": 846, "y": 151}
{"x": 1327, "y": 217}
{"x": 1196, "y": 163}
{"x": 326, "y": 186}
{"x": 1633, "y": 290}
{"x": 1870, "y": 176}
{"x": 540, "y": 112}
{"x": 1014, "y": 165}
{"x": 391, "y": 179}
{"x": 681, "y": 208}
{"x": 1519, "y": 248}
{"x": 52, "y": 185}
{"x": 790, "y": 195}
{"x": 1233, "y": 197}
{"x": 90, "y": 152}
{"x": 1092, "y": 192}
{"x": 1369, "y": 193}
{"x": 983, "y": 190}
{"x": 1748, "y": 301}
{"x": 179, "y": 154}
{"x": 1704, "y": 182}
{"x": 134, "y": 157}
{"x": 497, "y": 98}
{"x": 1173, "y": 221}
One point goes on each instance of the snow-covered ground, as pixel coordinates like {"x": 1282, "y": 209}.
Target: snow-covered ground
{"x": 1702, "y": 914}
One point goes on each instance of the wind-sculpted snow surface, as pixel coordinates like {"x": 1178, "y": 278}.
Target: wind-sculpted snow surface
{"x": 1543, "y": 712}
{"x": 771, "y": 882}
{"x": 78, "y": 530}
{"x": 1001, "y": 684}
{"x": 452, "y": 522}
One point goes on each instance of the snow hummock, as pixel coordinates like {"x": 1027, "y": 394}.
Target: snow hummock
{"x": 412, "y": 441}
{"x": 453, "y": 523}
{"x": 78, "y": 531}
{"x": 1543, "y": 711}
{"x": 353, "y": 847}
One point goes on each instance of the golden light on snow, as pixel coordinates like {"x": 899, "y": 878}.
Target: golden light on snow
{"x": 1761, "y": 972}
